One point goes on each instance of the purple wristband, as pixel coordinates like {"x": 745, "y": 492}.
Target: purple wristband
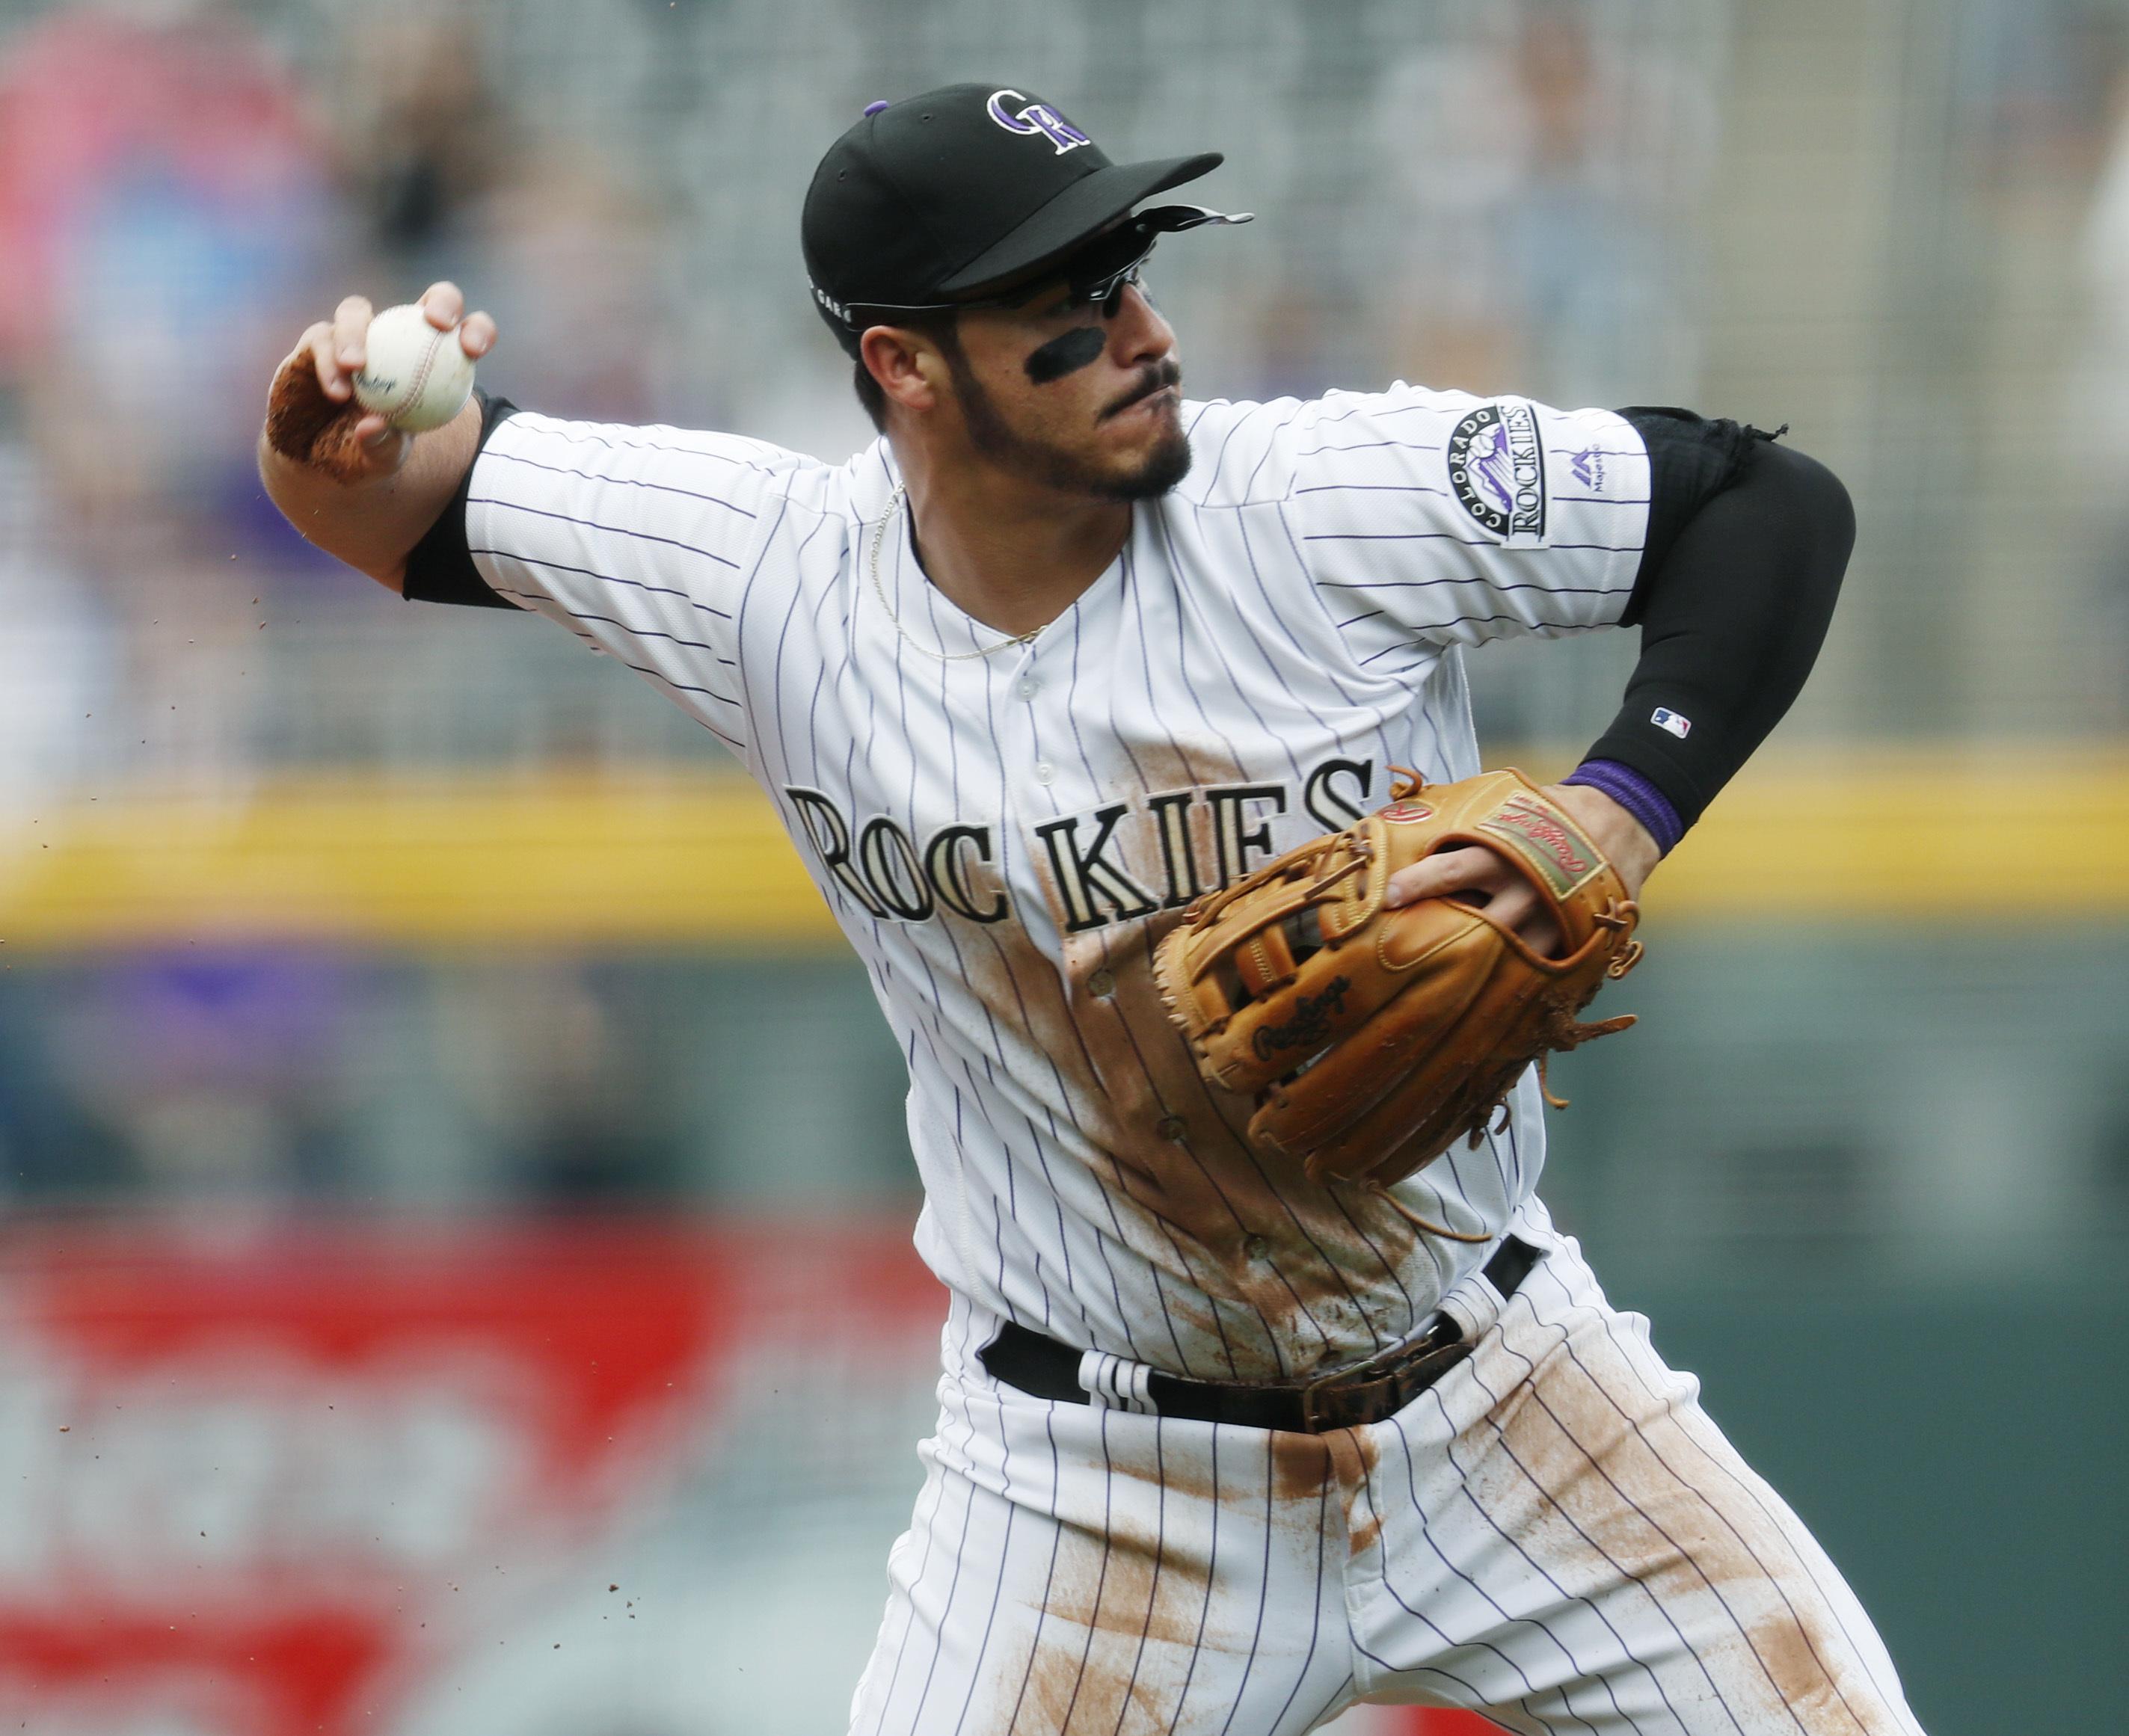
{"x": 1636, "y": 795}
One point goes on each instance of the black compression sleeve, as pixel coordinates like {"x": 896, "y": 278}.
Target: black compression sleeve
{"x": 1746, "y": 547}
{"x": 440, "y": 569}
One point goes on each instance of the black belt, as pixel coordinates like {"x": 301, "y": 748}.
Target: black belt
{"x": 1351, "y": 1398}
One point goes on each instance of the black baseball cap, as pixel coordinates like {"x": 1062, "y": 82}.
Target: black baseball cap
{"x": 934, "y": 199}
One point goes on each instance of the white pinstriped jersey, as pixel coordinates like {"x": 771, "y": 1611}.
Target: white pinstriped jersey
{"x": 1004, "y": 838}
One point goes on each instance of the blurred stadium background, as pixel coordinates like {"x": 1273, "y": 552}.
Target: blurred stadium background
{"x": 453, "y": 1206}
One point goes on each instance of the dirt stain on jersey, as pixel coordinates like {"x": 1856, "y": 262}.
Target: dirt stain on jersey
{"x": 1120, "y": 1644}
{"x": 1603, "y": 1479}
{"x": 1266, "y": 1275}
{"x": 1303, "y": 1466}
{"x": 1319, "y": 1271}
{"x": 1115, "y": 1640}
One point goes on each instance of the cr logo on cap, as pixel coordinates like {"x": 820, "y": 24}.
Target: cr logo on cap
{"x": 1036, "y": 118}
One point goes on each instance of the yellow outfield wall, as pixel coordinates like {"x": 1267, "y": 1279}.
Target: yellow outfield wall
{"x": 686, "y": 859}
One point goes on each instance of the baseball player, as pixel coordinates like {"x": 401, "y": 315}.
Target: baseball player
{"x": 1221, "y": 1449}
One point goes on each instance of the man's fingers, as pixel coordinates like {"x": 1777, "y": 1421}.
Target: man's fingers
{"x": 1504, "y": 895}
{"x": 318, "y": 344}
{"x": 350, "y": 325}
{"x": 444, "y": 304}
{"x": 1518, "y": 907}
{"x": 477, "y": 335}
{"x": 1443, "y": 873}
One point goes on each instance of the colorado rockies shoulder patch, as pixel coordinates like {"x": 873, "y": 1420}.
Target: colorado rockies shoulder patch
{"x": 1496, "y": 471}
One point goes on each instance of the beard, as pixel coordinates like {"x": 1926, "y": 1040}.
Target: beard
{"x": 1054, "y": 466}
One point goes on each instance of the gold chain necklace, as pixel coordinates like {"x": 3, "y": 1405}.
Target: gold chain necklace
{"x": 878, "y": 536}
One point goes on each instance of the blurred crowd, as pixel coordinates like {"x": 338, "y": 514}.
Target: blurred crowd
{"x": 1523, "y": 197}
{"x": 177, "y": 199}
{"x": 1531, "y": 196}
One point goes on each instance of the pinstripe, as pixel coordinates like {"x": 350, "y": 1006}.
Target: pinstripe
{"x": 1359, "y": 446}
{"x": 922, "y": 1526}
{"x": 604, "y": 578}
{"x": 1263, "y": 1586}
{"x": 1049, "y": 1583}
{"x": 1211, "y": 1574}
{"x": 1159, "y": 1562}
{"x": 702, "y": 447}
{"x": 1379, "y": 488}
{"x": 633, "y": 632}
{"x": 746, "y": 598}
{"x": 588, "y": 524}
{"x": 947, "y": 1616}
{"x": 623, "y": 482}
{"x": 1372, "y": 404}
{"x": 1397, "y": 536}
{"x": 1335, "y": 1702}
{"x": 1324, "y": 1535}
{"x": 1501, "y": 585}
{"x": 1102, "y": 1579}
{"x": 998, "y": 1590}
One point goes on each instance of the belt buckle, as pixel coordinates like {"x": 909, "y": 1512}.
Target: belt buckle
{"x": 1334, "y": 1402}
{"x": 1338, "y": 1399}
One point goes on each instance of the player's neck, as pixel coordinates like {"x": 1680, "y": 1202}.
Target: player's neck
{"x": 1013, "y": 555}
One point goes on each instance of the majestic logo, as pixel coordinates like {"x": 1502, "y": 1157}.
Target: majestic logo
{"x": 1310, "y": 1024}
{"x": 1035, "y": 120}
{"x": 1496, "y": 468}
{"x": 1663, "y": 718}
{"x": 1588, "y": 466}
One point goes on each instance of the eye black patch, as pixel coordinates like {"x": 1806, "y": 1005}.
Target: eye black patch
{"x": 1066, "y": 353}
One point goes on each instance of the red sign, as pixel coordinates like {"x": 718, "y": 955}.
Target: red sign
{"x": 261, "y": 1486}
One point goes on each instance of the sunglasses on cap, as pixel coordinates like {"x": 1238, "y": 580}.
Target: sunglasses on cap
{"x": 1096, "y": 275}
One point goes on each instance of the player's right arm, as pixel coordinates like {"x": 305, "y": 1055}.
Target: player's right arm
{"x": 361, "y": 490}
{"x": 644, "y": 542}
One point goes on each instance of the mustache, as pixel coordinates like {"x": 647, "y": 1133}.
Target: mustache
{"x": 1157, "y": 377}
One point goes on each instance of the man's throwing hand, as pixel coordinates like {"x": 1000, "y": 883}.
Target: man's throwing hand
{"x": 310, "y": 413}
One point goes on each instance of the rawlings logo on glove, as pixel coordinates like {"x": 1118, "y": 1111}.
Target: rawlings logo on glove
{"x": 1371, "y": 1038}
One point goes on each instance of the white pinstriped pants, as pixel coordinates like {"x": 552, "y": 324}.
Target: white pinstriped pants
{"x": 1554, "y": 1535}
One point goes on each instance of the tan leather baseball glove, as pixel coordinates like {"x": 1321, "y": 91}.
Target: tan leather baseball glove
{"x": 1373, "y": 1038}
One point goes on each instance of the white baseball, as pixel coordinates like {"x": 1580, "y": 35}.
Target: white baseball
{"x": 413, "y": 375}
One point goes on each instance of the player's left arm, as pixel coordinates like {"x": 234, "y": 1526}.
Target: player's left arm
{"x": 1746, "y": 545}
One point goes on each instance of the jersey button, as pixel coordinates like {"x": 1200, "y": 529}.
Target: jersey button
{"x": 1255, "y": 1247}
{"x": 1102, "y": 984}
{"x": 1046, "y": 772}
{"x": 1029, "y": 686}
{"x": 1171, "y": 1127}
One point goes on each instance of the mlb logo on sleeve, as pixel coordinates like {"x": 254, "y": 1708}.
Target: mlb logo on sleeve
{"x": 1663, "y": 718}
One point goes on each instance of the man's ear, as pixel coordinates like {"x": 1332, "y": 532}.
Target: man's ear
{"x": 905, "y": 364}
